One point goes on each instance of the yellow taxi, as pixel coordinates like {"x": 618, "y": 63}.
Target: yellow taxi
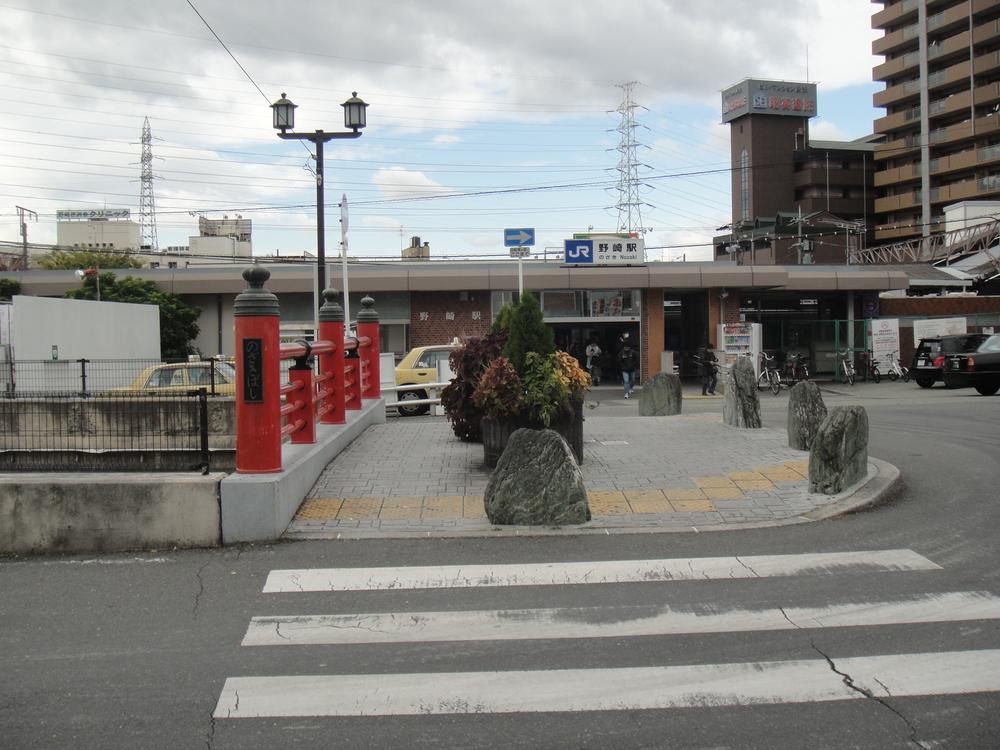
{"x": 186, "y": 376}
{"x": 419, "y": 366}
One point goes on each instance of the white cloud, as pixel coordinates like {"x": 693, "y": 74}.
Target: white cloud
{"x": 824, "y": 130}
{"x": 444, "y": 138}
{"x": 397, "y": 182}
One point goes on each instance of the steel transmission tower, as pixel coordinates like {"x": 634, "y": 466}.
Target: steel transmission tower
{"x": 147, "y": 204}
{"x": 629, "y": 202}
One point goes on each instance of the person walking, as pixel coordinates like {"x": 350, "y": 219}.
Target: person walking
{"x": 594, "y": 361}
{"x": 708, "y": 368}
{"x": 628, "y": 363}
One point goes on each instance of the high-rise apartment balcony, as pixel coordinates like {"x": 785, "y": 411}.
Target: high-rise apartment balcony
{"x": 986, "y": 32}
{"x": 897, "y": 120}
{"x": 953, "y": 46}
{"x": 908, "y": 200}
{"x": 905, "y": 39}
{"x": 907, "y": 65}
{"x": 987, "y": 93}
{"x": 894, "y": 14}
{"x": 988, "y": 63}
{"x": 898, "y": 147}
{"x": 893, "y": 175}
{"x": 902, "y": 231}
{"x": 949, "y": 105}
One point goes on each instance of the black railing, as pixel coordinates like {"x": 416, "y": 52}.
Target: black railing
{"x": 114, "y": 431}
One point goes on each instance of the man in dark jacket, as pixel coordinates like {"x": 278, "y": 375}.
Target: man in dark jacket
{"x": 707, "y": 368}
{"x": 628, "y": 363}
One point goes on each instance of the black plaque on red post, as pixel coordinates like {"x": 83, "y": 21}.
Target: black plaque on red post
{"x": 253, "y": 371}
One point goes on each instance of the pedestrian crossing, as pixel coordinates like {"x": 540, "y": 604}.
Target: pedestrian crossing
{"x": 610, "y": 688}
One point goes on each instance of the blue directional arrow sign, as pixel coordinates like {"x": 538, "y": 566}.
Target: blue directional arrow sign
{"x": 518, "y": 237}
{"x": 579, "y": 251}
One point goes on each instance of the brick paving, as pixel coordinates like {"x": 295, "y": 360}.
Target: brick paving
{"x": 414, "y": 477}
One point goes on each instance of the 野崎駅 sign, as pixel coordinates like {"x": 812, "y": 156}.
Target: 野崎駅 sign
{"x": 605, "y": 249}
{"x": 92, "y": 213}
{"x": 753, "y": 96}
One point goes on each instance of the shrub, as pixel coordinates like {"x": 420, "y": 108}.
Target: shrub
{"x": 545, "y": 391}
{"x": 468, "y": 362}
{"x": 500, "y": 392}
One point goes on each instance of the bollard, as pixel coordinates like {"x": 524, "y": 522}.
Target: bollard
{"x": 368, "y": 327}
{"x": 258, "y": 375}
{"x": 331, "y": 328}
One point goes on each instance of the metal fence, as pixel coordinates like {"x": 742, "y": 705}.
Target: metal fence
{"x": 124, "y": 431}
{"x": 86, "y": 377}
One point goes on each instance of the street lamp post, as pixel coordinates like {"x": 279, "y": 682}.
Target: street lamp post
{"x": 284, "y": 123}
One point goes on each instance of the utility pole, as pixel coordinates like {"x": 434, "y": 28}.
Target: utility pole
{"x": 23, "y": 214}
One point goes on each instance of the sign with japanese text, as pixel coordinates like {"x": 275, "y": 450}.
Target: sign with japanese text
{"x": 609, "y": 249}
{"x": 92, "y": 213}
{"x": 753, "y": 96}
{"x": 884, "y": 338}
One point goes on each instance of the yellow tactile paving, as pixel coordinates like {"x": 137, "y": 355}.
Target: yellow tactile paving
{"x": 604, "y": 503}
{"x": 319, "y": 509}
{"x": 647, "y": 501}
{"x": 781, "y": 474}
{"x": 755, "y": 485}
{"x": 472, "y": 507}
{"x": 723, "y": 493}
{"x": 355, "y": 508}
{"x": 713, "y": 482}
{"x": 692, "y": 506}
{"x": 400, "y": 508}
{"x": 745, "y": 476}
{"x": 443, "y": 506}
{"x": 800, "y": 466}
{"x": 684, "y": 494}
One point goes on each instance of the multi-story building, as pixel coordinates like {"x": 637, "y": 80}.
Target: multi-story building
{"x": 779, "y": 174}
{"x": 942, "y": 100}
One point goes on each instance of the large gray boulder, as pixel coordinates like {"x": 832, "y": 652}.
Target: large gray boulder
{"x": 741, "y": 406}
{"x": 661, "y": 396}
{"x": 838, "y": 457}
{"x": 806, "y": 412}
{"x": 537, "y": 482}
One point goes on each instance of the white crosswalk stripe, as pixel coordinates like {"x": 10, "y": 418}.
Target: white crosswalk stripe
{"x": 609, "y": 688}
{"x": 750, "y": 683}
{"x": 611, "y": 571}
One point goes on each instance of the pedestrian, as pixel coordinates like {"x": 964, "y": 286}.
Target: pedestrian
{"x": 708, "y": 368}
{"x": 628, "y": 363}
{"x": 594, "y": 361}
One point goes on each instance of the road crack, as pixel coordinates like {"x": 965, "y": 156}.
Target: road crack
{"x": 849, "y": 681}
{"x": 201, "y": 590}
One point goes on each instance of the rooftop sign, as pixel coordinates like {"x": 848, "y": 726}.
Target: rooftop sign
{"x": 92, "y": 213}
{"x": 756, "y": 97}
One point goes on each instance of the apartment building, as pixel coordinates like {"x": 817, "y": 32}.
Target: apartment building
{"x": 941, "y": 128}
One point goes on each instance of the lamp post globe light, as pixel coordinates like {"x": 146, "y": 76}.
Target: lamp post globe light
{"x": 284, "y": 122}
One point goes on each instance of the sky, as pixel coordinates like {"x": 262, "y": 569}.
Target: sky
{"x": 483, "y": 115}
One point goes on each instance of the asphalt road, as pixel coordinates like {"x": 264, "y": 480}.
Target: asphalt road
{"x": 142, "y": 650}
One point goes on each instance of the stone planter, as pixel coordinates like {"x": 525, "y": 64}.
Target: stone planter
{"x": 497, "y": 430}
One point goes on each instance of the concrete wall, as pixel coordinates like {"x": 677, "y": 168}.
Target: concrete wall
{"x": 108, "y": 512}
{"x": 83, "y": 328}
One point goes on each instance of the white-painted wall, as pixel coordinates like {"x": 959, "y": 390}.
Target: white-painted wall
{"x": 82, "y": 328}
{"x": 98, "y": 234}
{"x": 969, "y": 214}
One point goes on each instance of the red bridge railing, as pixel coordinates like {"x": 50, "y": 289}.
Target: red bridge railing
{"x": 328, "y": 378}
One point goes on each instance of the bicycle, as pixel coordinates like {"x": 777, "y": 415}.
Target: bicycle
{"x": 872, "y": 371}
{"x": 847, "y": 367}
{"x": 897, "y": 370}
{"x": 796, "y": 368}
{"x": 770, "y": 376}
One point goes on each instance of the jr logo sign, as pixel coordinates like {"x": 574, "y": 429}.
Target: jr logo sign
{"x": 579, "y": 251}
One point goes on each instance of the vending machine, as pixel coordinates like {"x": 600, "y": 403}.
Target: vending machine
{"x": 740, "y": 340}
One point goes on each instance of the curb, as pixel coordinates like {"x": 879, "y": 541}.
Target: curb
{"x": 882, "y": 478}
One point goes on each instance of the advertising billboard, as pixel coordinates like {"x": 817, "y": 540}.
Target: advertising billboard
{"x": 754, "y": 96}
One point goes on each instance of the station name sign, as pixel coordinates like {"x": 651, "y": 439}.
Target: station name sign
{"x": 753, "y": 96}
{"x": 94, "y": 213}
{"x": 609, "y": 249}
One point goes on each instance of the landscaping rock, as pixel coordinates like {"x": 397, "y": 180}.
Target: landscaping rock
{"x": 741, "y": 406}
{"x": 537, "y": 482}
{"x": 661, "y": 396}
{"x": 838, "y": 457}
{"x": 806, "y": 412}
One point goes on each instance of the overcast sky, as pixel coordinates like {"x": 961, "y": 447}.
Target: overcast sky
{"x": 495, "y": 114}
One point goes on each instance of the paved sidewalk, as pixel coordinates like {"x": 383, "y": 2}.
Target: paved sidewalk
{"x": 413, "y": 477}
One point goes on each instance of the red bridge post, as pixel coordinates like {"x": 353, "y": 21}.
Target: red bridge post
{"x": 258, "y": 375}
{"x": 368, "y": 328}
{"x": 331, "y": 328}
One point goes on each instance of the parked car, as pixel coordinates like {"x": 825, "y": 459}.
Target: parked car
{"x": 419, "y": 366}
{"x": 181, "y": 377}
{"x": 927, "y": 367}
{"x": 979, "y": 368}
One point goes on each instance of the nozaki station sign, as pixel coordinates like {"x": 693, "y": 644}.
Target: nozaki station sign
{"x": 604, "y": 249}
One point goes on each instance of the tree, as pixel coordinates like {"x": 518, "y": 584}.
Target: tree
{"x": 63, "y": 259}
{"x": 8, "y": 288}
{"x": 177, "y": 318}
{"x": 527, "y": 332}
